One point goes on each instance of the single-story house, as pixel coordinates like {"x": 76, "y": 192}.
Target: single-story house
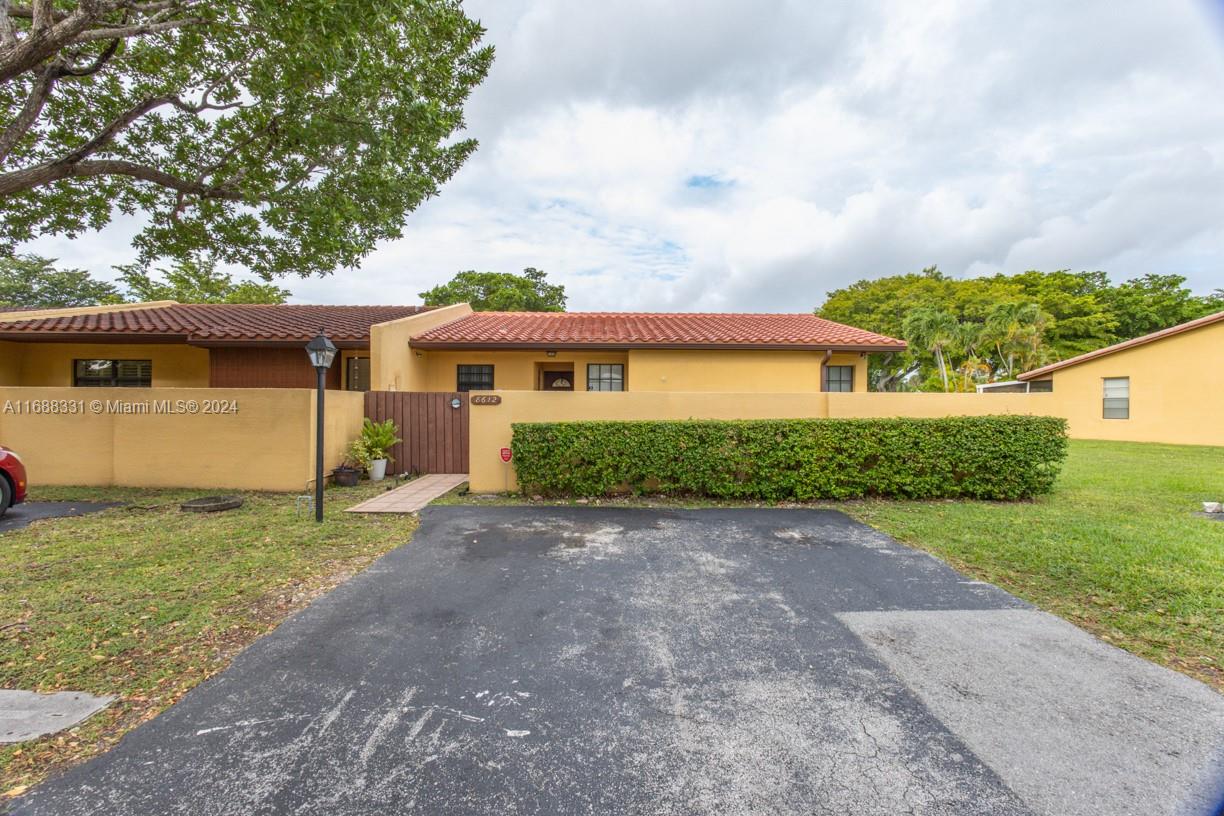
{"x": 1164, "y": 386}
{"x": 462, "y": 350}
{"x": 168, "y": 344}
{"x": 414, "y": 348}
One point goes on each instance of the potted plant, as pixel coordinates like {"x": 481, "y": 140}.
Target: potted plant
{"x": 356, "y": 460}
{"x": 378, "y": 439}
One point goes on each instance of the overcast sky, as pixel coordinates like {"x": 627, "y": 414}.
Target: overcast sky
{"x": 736, "y": 155}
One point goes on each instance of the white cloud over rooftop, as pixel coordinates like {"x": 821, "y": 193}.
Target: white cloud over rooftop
{"x": 752, "y": 155}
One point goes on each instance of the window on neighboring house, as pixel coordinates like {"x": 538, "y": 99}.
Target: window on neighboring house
{"x": 112, "y": 373}
{"x": 605, "y": 377}
{"x": 475, "y": 378}
{"x": 1116, "y": 401}
{"x": 838, "y": 378}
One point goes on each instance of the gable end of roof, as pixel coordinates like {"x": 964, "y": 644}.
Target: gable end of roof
{"x": 1181, "y": 328}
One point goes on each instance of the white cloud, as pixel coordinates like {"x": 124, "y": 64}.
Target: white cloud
{"x": 752, "y": 155}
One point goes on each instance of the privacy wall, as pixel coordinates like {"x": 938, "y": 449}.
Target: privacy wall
{"x": 208, "y": 438}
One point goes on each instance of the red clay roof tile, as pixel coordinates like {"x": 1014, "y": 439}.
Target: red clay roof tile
{"x": 216, "y": 323}
{"x": 617, "y": 329}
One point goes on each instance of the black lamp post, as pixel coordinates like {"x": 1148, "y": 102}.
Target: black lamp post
{"x": 321, "y": 352}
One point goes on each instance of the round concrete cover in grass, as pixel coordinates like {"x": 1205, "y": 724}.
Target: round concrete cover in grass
{"x": 211, "y": 504}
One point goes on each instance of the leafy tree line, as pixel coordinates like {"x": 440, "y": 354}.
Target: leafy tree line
{"x": 31, "y": 281}
{"x": 963, "y": 332}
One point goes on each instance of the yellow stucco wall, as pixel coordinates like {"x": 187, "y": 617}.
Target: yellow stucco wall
{"x": 773, "y": 372}
{"x": 645, "y": 369}
{"x": 930, "y": 406}
{"x": 393, "y": 365}
{"x": 10, "y": 363}
{"x": 267, "y": 445}
{"x": 343, "y": 412}
{"x": 513, "y": 370}
{"x": 50, "y": 364}
{"x": 1176, "y": 391}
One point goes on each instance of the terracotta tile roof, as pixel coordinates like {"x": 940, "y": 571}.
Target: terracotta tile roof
{"x": 628, "y": 329}
{"x": 214, "y": 324}
{"x": 1125, "y": 344}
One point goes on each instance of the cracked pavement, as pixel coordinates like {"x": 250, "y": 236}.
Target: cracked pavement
{"x": 520, "y": 660}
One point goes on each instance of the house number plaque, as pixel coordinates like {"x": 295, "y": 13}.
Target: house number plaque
{"x": 486, "y": 399}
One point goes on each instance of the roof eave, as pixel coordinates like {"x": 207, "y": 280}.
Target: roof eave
{"x": 485, "y": 345}
{"x": 154, "y": 338}
{"x": 238, "y": 342}
{"x": 1036, "y": 373}
{"x": 91, "y": 337}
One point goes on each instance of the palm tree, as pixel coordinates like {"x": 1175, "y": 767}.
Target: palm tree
{"x": 1016, "y": 330}
{"x": 933, "y": 330}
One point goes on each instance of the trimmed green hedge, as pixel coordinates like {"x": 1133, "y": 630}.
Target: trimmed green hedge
{"x": 987, "y": 457}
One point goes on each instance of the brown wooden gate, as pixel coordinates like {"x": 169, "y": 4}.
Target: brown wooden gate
{"x": 435, "y": 433}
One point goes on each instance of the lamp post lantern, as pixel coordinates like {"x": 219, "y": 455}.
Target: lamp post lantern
{"x": 321, "y": 352}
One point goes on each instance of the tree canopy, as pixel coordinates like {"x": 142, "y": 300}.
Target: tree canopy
{"x": 284, "y": 137}
{"x": 499, "y": 292}
{"x": 30, "y": 281}
{"x": 196, "y": 280}
{"x": 966, "y": 331}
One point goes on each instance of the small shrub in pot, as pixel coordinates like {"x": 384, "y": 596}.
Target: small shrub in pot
{"x": 378, "y": 439}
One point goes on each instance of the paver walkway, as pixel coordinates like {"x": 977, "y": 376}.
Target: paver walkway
{"x": 412, "y": 496}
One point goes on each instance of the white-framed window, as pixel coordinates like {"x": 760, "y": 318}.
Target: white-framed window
{"x": 1115, "y": 401}
{"x": 605, "y": 377}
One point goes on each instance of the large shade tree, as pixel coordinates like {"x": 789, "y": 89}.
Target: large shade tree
{"x": 285, "y": 137}
{"x": 500, "y": 292}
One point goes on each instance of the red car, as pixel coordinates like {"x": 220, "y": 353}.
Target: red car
{"x": 12, "y": 480}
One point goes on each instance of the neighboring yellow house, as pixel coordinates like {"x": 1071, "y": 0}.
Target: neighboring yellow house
{"x": 1167, "y": 386}
{"x": 455, "y": 349}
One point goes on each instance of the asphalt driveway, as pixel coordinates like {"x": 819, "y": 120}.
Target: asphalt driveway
{"x": 21, "y": 515}
{"x": 521, "y": 660}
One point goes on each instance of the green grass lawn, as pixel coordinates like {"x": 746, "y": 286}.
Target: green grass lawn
{"x": 1116, "y": 548}
{"x": 145, "y": 601}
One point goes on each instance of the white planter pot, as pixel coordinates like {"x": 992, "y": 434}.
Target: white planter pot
{"x": 378, "y": 470}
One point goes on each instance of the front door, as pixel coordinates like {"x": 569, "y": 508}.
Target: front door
{"x": 558, "y": 381}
